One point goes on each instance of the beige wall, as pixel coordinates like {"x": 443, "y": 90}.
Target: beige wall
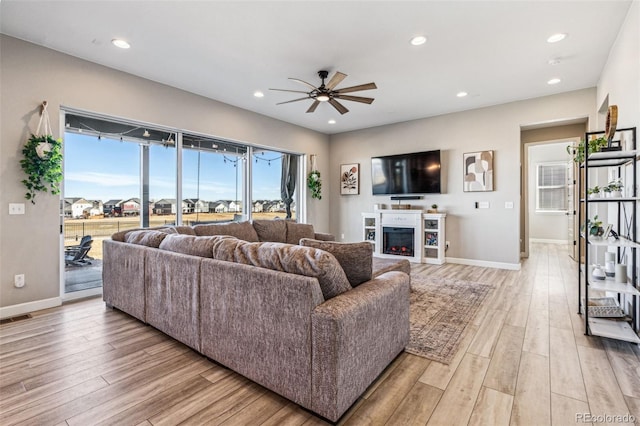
{"x": 490, "y": 236}
{"x": 29, "y": 243}
{"x": 620, "y": 78}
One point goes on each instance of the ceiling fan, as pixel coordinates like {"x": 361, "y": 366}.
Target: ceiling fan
{"x": 328, "y": 93}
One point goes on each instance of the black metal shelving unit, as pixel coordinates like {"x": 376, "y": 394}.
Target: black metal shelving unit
{"x": 607, "y": 327}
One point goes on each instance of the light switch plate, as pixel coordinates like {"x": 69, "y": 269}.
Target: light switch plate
{"x": 16, "y": 208}
{"x": 483, "y": 205}
{"x": 508, "y": 204}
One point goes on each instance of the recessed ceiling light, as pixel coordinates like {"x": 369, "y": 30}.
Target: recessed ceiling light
{"x": 418, "y": 40}
{"x": 258, "y": 94}
{"x": 553, "y": 61}
{"x": 554, "y": 81}
{"x": 332, "y": 121}
{"x": 461, "y": 94}
{"x": 122, "y": 44}
{"x": 556, "y": 38}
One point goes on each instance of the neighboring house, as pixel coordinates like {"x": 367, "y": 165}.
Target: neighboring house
{"x": 219, "y": 207}
{"x": 195, "y": 205}
{"x": 112, "y": 208}
{"x": 75, "y": 207}
{"x": 131, "y": 207}
{"x": 165, "y": 206}
{"x": 188, "y": 205}
{"x": 257, "y": 206}
{"x": 95, "y": 210}
{"x": 235, "y": 206}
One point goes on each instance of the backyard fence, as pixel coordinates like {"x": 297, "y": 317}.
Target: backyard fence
{"x": 97, "y": 229}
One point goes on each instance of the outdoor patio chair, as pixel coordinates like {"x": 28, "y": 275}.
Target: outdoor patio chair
{"x": 83, "y": 240}
{"x": 77, "y": 255}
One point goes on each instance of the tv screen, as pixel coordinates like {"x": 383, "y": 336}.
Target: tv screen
{"x": 414, "y": 173}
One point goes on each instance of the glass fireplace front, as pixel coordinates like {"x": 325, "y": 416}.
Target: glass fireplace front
{"x": 398, "y": 241}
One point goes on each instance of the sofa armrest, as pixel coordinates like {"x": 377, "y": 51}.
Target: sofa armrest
{"x": 355, "y": 336}
{"x": 322, "y": 236}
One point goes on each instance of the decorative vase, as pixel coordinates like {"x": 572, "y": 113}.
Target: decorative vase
{"x": 616, "y": 194}
{"x": 594, "y": 195}
{"x": 598, "y": 273}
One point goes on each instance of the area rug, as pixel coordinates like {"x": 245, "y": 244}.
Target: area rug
{"x": 440, "y": 311}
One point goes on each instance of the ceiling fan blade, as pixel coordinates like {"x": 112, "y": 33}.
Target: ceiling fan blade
{"x": 313, "y": 106}
{"x": 337, "y": 105}
{"x": 368, "y": 86}
{"x": 335, "y": 80}
{"x": 303, "y": 82}
{"x": 354, "y": 98}
{"x": 286, "y": 90}
{"x": 295, "y": 100}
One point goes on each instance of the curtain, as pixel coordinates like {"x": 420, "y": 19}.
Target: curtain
{"x": 288, "y": 180}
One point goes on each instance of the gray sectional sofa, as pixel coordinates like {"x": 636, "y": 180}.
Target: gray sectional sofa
{"x": 286, "y": 316}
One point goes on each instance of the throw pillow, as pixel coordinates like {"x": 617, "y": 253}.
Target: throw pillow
{"x": 297, "y": 231}
{"x": 356, "y": 259}
{"x": 240, "y": 230}
{"x": 190, "y": 244}
{"x": 145, "y": 238}
{"x": 289, "y": 258}
{"x": 271, "y": 230}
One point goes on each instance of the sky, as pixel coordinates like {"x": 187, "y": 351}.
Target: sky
{"x": 108, "y": 169}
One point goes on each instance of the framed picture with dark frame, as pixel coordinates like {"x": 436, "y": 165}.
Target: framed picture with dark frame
{"x": 350, "y": 179}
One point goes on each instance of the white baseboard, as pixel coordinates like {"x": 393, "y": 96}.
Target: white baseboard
{"x": 547, "y": 241}
{"x": 485, "y": 263}
{"x": 25, "y": 308}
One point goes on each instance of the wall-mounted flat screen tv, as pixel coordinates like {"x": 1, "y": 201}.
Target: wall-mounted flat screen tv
{"x": 413, "y": 173}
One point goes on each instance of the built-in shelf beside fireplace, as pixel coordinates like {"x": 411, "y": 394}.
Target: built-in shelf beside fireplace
{"x": 411, "y": 234}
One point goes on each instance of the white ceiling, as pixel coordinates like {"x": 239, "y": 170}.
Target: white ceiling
{"x": 225, "y": 50}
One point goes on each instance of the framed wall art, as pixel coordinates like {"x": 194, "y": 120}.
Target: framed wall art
{"x": 478, "y": 171}
{"x": 350, "y": 179}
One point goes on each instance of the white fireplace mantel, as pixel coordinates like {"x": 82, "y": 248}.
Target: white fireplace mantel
{"x": 427, "y": 228}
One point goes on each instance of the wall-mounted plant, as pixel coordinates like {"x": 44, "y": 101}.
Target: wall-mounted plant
{"x": 314, "y": 182}
{"x": 42, "y": 162}
{"x": 594, "y": 145}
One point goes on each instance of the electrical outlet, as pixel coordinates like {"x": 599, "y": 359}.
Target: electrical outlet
{"x": 446, "y": 245}
{"x": 16, "y": 208}
{"x": 342, "y": 236}
{"x": 18, "y": 280}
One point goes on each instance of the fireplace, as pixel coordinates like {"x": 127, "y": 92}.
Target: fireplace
{"x": 398, "y": 241}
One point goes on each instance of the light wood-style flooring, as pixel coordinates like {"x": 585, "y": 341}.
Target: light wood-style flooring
{"x": 524, "y": 361}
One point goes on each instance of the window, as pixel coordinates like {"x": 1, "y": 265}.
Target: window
{"x": 212, "y": 180}
{"x": 551, "y": 187}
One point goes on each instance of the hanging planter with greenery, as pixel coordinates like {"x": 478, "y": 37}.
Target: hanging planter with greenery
{"x": 42, "y": 162}
{"x": 314, "y": 183}
{"x": 594, "y": 145}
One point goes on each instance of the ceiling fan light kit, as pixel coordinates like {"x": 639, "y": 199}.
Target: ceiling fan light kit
{"x": 328, "y": 93}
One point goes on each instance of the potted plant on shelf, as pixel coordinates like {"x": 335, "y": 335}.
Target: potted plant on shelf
{"x": 594, "y": 227}
{"x": 614, "y": 189}
{"x": 594, "y": 192}
{"x": 594, "y": 145}
{"x": 434, "y": 208}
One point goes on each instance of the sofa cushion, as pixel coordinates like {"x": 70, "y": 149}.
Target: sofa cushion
{"x": 190, "y": 244}
{"x": 183, "y": 229}
{"x": 149, "y": 238}
{"x": 271, "y": 230}
{"x": 120, "y": 235}
{"x": 297, "y": 231}
{"x": 355, "y": 258}
{"x": 240, "y": 230}
{"x": 290, "y": 258}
